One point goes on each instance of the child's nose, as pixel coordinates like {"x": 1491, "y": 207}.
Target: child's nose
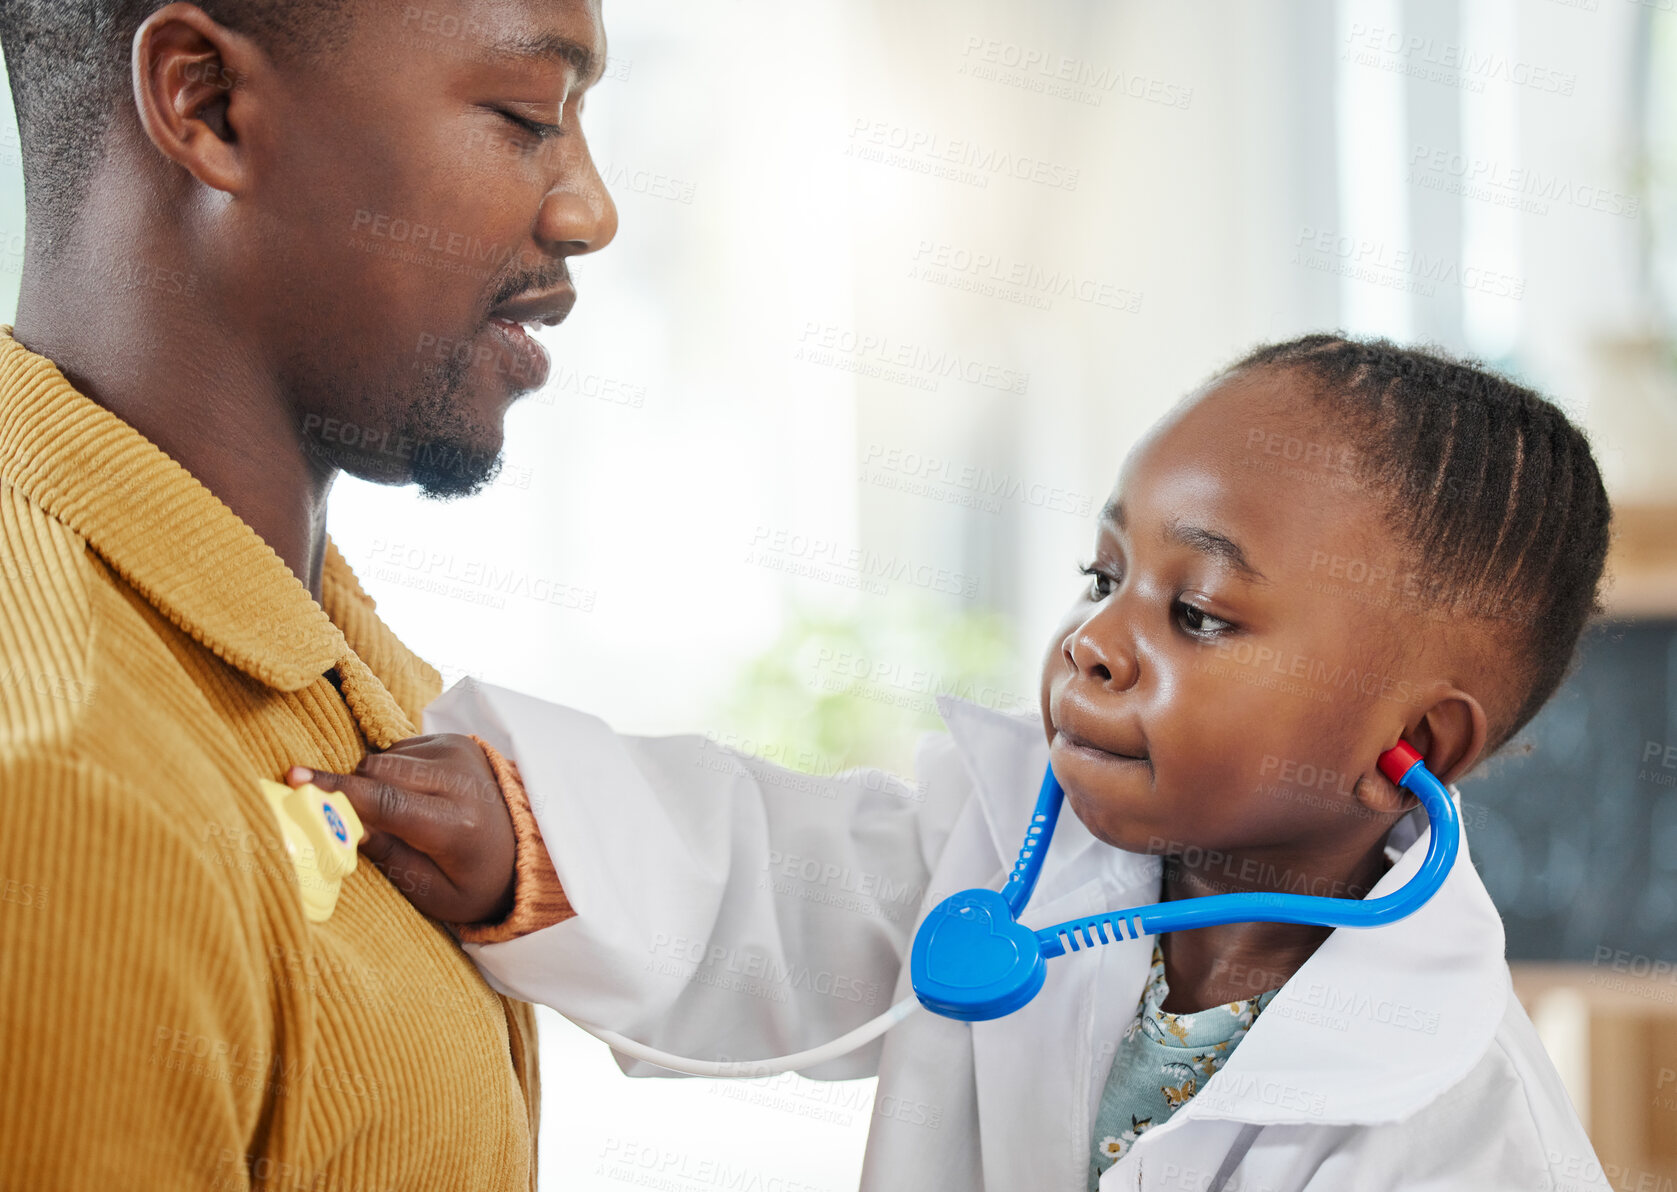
{"x": 1099, "y": 657}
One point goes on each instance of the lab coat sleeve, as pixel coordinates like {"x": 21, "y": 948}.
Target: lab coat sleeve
{"x": 727, "y": 908}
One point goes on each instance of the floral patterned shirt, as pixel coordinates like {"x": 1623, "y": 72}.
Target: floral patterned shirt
{"x": 1163, "y": 1060}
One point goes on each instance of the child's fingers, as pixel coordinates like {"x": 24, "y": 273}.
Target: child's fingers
{"x": 382, "y": 806}
{"x": 415, "y": 876}
{"x": 447, "y": 765}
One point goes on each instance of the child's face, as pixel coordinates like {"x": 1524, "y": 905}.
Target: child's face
{"x": 1228, "y": 673}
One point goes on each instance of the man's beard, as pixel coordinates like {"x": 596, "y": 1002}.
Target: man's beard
{"x": 457, "y": 471}
{"x": 447, "y": 463}
{"x": 435, "y": 446}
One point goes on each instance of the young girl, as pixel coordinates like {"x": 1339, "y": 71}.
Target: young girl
{"x": 1331, "y": 546}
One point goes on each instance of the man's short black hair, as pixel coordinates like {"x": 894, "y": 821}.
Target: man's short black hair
{"x": 68, "y": 65}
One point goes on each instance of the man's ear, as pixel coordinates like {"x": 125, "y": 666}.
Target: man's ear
{"x": 1450, "y": 733}
{"x": 191, "y": 93}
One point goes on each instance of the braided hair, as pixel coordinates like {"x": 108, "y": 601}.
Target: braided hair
{"x": 1488, "y": 483}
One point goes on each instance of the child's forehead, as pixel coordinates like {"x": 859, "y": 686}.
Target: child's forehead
{"x": 1252, "y": 459}
{"x": 1266, "y": 423}
{"x": 1270, "y": 398}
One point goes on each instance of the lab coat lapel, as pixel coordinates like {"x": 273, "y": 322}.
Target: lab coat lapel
{"x": 1006, "y": 756}
{"x": 1035, "y": 1068}
{"x": 1379, "y": 1021}
{"x": 1039, "y": 1070}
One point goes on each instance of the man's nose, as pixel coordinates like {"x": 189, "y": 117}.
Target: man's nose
{"x": 578, "y": 216}
{"x": 1097, "y": 651}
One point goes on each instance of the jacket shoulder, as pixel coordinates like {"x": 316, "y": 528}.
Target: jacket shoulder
{"x": 47, "y": 627}
{"x": 85, "y": 677}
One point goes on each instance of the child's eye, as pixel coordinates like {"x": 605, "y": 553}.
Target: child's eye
{"x": 1100, "y": 586}
{"x": 1197, "y": 621}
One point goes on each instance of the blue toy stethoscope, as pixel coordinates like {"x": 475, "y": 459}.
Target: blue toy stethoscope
{"x": 973, "y": 960}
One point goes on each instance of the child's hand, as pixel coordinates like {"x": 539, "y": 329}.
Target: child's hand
{"x": 437, "y": 825}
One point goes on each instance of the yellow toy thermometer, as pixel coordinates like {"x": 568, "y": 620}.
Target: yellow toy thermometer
{"x": 321, "y": 831}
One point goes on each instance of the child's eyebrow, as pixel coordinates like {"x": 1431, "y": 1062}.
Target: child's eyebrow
{"x": 1197, "y": 538}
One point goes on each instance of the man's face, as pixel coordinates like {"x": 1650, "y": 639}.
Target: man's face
{"x": 422, "y": 193}
{"x": 1221, "y": 683}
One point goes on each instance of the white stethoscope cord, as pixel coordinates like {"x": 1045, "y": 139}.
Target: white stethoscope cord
{"x": 774, "y": 1066}
{"x": 747, "y": 1069}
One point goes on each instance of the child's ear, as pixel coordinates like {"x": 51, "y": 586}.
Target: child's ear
{"x": 1450, "y": 733}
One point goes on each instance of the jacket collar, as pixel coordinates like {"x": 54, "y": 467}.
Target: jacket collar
{"x": 173, "y": 540}
{"x": 1377, "y": 1023}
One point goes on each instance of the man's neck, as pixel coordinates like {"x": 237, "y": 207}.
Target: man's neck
{"x": 195, "y": 393}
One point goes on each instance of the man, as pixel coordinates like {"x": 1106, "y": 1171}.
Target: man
{"x": 267, "y": 241}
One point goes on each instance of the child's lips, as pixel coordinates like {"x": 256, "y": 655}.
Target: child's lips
{"x": 1076, "y": 744}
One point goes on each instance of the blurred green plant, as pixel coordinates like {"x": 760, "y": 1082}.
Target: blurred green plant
{"x": 842, "y": 690}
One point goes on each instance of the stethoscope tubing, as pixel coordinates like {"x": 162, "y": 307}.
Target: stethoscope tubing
{"x": 1262, "y": 907}
{"x": 1079, "y": 934}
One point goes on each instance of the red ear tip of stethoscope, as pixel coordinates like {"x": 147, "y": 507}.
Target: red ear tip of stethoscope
{"x": 1397, "y": 761}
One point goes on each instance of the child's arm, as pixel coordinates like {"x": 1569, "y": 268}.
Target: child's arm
{"x": 725, "y": 908}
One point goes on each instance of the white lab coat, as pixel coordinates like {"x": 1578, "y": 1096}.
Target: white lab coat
{"x": 728, "y": 909}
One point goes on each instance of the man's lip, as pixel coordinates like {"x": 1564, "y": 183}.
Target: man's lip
{"x": 532, "y": 367}
{"x": 549, "y": 308}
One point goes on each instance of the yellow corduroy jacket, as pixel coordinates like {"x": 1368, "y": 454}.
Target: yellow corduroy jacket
{"x": 168, "y": 1017}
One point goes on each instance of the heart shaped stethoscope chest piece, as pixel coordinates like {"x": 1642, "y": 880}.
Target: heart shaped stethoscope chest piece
{"x": 971, "y": 960}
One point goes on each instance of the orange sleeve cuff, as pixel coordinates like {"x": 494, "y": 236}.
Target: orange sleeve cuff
{"x": 538, "y": 899}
